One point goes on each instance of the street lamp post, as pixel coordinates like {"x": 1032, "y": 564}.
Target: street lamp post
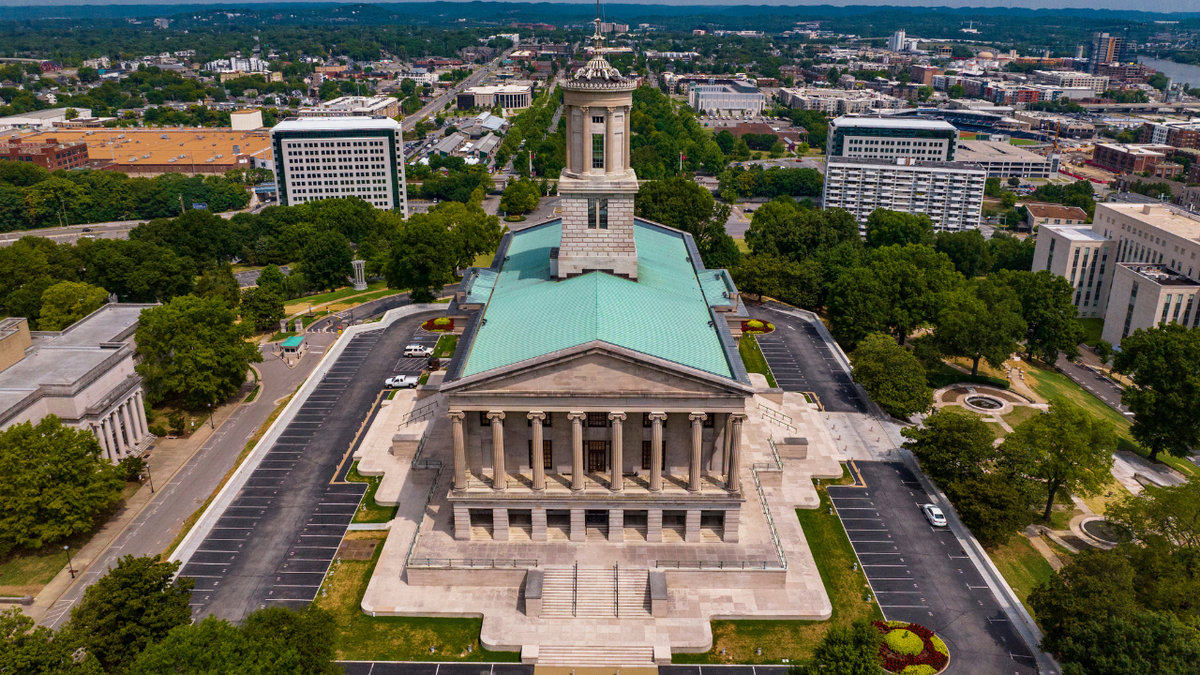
{"x": 211, "y": 423}
{"x": 149, "y": 478}
{"x": 70, "y": 567}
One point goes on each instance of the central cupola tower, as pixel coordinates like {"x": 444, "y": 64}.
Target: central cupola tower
{"x": 597, "y": 185}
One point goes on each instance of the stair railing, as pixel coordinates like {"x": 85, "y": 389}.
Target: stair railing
{"x": 617, "y": 589}
{"x": 575, "y": 590}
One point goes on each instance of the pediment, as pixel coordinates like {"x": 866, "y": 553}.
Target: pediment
{"x": 598, "y": 369}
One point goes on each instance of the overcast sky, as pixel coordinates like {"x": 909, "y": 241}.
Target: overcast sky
{"x": 1137, "y": 5}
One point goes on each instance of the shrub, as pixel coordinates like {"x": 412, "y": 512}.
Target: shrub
{"x": 177, "y": 422}
{"x": 904, "y": 641}
{"x": 940, "y": 646}
{"x": 158, "y": 430}
{"x": 442, "y": 322}
{"x": 131, "y": 468}
{"x": 921, "y": 669}
{"x": 755, "y": 324}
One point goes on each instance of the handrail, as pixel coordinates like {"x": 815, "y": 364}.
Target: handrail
{"x": 781, "y": 423}
{"x": 617, "y": 589}
{"x": 421, "y": 413}
{"x": 575, "y": 590}
{"x": 775, "y": 451}
{"x": 412, "y": 546}
{"x": 782, "y": 416}
{"x": 474, "y": 563}
{"x": 719, "y": 564}
{"x": 762, "y": 496}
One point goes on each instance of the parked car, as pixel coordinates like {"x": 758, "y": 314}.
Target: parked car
{"x": 418, "y": 350}
{"x": 402, "y": 382}
{"x": 934, "y": 515}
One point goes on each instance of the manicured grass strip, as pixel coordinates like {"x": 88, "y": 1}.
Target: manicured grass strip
{"x": 753, "y": 357}
{"x": 1022, "y": 566}
{"x": 369, "y": 511}
{"x": 742, "y": 245}
{"x": 253, "y": 394}
{"x": 445, "y": 347}
{"x": 795, "y": 640}
{"x": 394, "y": 638}
{"x": 298, "y": 304}
{"x": 1092, "y": 329}
{"x": 1020, "y": 414}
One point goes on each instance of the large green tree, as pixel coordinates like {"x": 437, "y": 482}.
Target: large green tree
{"x": 193, "y": 349}
{"x": 968, "y": 250}
{"x": 895, "y": 228}
{"x": 1048, "y": 311}
{"x": 133, "y": 606}
{"x": 1132, "y": 644}
{"x": 1164, "y": 364}
{"x": 520, "y": 196}
{"x": 25, "y": 648}
{"x": 891, "y": 375}
{"x": 951, "y": 446}
{"x": 683, "y": 204}
{"x": 262, "y": 307}
{"x": 849, "y": 650}
{"x": 66, "y": 302}
{"x": 981, "y": 320}
{"x": 54, "y": 483}
{"x": 795, "y": 283}
{"x": 325, "y": 260}
{"x": 1064, "y": 449}
{"x": 423, "y": 257}
{"x": 219, "y": 282}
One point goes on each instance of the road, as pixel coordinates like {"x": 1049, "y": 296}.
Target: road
{"x": 921, "y": 574}
{"x": 161, "y": 520}
{"x": 367, "y": 310}
{"x": 250, "y": 277}
{"x": 801, "y": 361}
{"x": 440, "y": 102}
{"x": 117, "y": 229}
{"x": 1103, "y": 388}
{"x": 273, "y": 543}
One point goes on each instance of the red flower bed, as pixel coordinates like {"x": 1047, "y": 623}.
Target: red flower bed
{"x": 764, "y": 327}
{"x": 433, "y": 324}
{"x": 897, "y": 662}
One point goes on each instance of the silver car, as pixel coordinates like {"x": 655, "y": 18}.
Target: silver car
{"x": 934, "y": 515}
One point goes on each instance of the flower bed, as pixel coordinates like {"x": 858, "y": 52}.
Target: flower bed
{"x": 439, "y": 324}
{"x": 911, "y": 649}
{"x": 756, "y": 326}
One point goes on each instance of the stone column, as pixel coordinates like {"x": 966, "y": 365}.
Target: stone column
{"x": 539, "y": 465}
{"x": 616, "y": 479}
{"x": 499, "y": 476}
{"x": 691, "y": 526}
{"x": 141, "y": 411}
{"x": 656, "y": 450}
{"x": 460, "y": 449}
{"x": 694, "y": 465}
{"x": 654, "y": 526}
{"x": 576, "y": 450}
{"x": 608, "y": 141}
{"x": 122, "y": 439}
{"x": 102, "y": 432}
{"x": 587, "y": 141}
{"x": 131, "y": 425}
{"x": 734, "y": 482}
{"x": 360, "y": 277}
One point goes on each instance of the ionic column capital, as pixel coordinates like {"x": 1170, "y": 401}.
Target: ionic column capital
{"x": 737, "y": 418}
{"x": 576, "y": 416}
{"x": 495, "y": 415}
{"x": 697, "y": 417}
{"x": 617, "y": 416}
{"x": 456, "y": 415}
{"x": 658, "y": 417}
{"x": 536, "y": 415}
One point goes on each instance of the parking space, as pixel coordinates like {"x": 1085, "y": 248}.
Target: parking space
{"x": 801, "y": 361}
{"x": 275, "y": 541}
{"x": 920, "y": 573}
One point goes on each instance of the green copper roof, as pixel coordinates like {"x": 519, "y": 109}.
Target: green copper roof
{"x": 481, "y": 286}
{"x": 664, "y": 313}
{"x": 294, "y": 341}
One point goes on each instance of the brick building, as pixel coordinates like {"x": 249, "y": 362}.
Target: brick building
{"x": 47, "y": 153}
{"x": 1129, "y": 158}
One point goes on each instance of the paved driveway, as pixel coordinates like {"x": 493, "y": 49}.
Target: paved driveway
{"x": 800, "y": 360}
{"x": 920, "y": 573}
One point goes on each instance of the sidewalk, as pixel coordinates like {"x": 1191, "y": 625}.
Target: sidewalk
{"x": 165, "y": 459}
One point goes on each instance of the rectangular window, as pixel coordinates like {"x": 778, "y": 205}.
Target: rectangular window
{"x": 709, "y": 421}
{"x": 483, "y": 419}
{"x": 645, "y": 455}
{"x": 597, "y": 151}
{"x": 598, "y": 214}
{"x": 597, "y": 419}
{"x": 547, "y": 455}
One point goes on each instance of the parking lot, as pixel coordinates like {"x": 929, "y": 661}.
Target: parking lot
{"x": 274, "y": 543}
{"x": 921, "y": 574}
{"x": 800, "y": 360}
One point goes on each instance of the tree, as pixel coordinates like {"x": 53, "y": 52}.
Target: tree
{"x": 992, "y": 506}
{"x": 951, "y": 446}
{"x": 684, "y": 205}
{"x": 28, "y": 649}
{"x": 1013, "y": 181}
{"x": 273, "y": 640}
{"x": 1164, "y": 364}
{"x": 956, "y": 91}
{"x": 849, "y": 650}
{"x": 982, "y": 320}
{"x": 423, "y": 257}
{"x": 54, "y": 483}
{"x": 273, "y": 278}
{"x": 1167, "y": 515}
{"x": 968, "y": 250}
{"x": 191, "y": 348}
{"x": 1104, "y": 351}
{"x": 894, "y": 228}
{"x": 325, "y": 260}
{"x": 219, "y": 283}
{"x": 66, "y": 302}
{"x": 769, "y": 275}
{"x": 521, "y": 196}
{"x": 1048, "y": 312}
{"x": 136, "y": 604}
{"x": 891, "y": 375}
{"x": 1064, "y": 449}
{"x": 1132, "y": 644}
{"x": 262, "y": 307}
{"x": 472, "y": 231}
{"x": 1094, "y": 585}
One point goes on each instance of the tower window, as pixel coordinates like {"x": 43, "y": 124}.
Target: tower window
{"x": 597, "y": 151}
{"x": 597, "y": 119}
{"x": 597, "y": 214}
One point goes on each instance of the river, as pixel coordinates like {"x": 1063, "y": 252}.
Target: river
{"x": 1178, "y": 72}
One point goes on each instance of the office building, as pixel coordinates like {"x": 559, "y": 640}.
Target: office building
{"x": 1106, "y": 49}
{"x": 1004, "y": 160}
{"x": 354, "y": 106}
{"x": 833, "y": 102}
{"x": 1072, "y": 79}
{"x": 1039, "y": 213}
{"x": 950, "y": 193}
{"x": 891, "y": 137}
{"x": 1081, "y": 256}
{"x": 1174, "y": 134}
{"x": 329, "y": 157}
{"x": 897, "y": 41}
{"x": 739, "y": 97}
{"x": 152, "y": 152}
{"x": 507, "y": 96}
{"x": 47, "y": 153}
{"x": 84, "y": 374}
{"x": 1129, "y": 158}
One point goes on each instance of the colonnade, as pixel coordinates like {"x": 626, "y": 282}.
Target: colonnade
{"x": 129, "y": 414}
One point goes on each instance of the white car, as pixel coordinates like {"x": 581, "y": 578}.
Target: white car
{"x": 934, "y": 515}
{"x": 402, "y": 382}
{"x": 418, "y": 350}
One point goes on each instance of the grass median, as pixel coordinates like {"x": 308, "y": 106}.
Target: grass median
{"x": 753, "y": 357}
{"x": 369, "y": 511}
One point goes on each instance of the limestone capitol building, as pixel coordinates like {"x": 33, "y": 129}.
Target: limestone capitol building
{"x": 595, "y": 473}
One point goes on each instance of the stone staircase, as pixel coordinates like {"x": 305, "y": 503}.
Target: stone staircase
{"x": 633, "y": 593}
{"x": 585, "y": 657}
{"x": 595, "y": 593}
{"x": 558, "y": 592}
{"x": 594, "y": 596}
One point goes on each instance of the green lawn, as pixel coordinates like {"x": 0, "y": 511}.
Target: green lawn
{"x": 1022, "y": 566}
{"x": 753, "y": 357}
{"x": 27, "y": 573}
{"x": 1020, "y": 414}
{"x": 795, "y": 640}
{"x": 1022, "y": 141}
{"x": 369, "y": 511}
{"x": 1092, "y": 329}
{"x": 394, "y": 638}
{"x": 1051, "y": 384}
{"x": 322, "y": 298}
{"x": 742, "y": 246}
{"x": 445, "y": 346}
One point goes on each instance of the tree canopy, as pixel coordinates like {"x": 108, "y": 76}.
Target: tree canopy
{"x": 685, "y": 205}
{"x": 891, "y": 375}
{"x": 1164, "y": 364}
{"x": 980, "y": 320}
{"x": 67, "y": 302}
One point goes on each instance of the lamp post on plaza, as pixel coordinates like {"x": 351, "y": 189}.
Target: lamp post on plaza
{"x": 70, "y": 567}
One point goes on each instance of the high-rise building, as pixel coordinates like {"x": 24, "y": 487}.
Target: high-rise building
{"x": 328, "y": 157}
{"x": 950, "y": 193}
{"x": 1106, "y": 49}
{"x": 890, "y": 137}
{"x": 896, "y": 42}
